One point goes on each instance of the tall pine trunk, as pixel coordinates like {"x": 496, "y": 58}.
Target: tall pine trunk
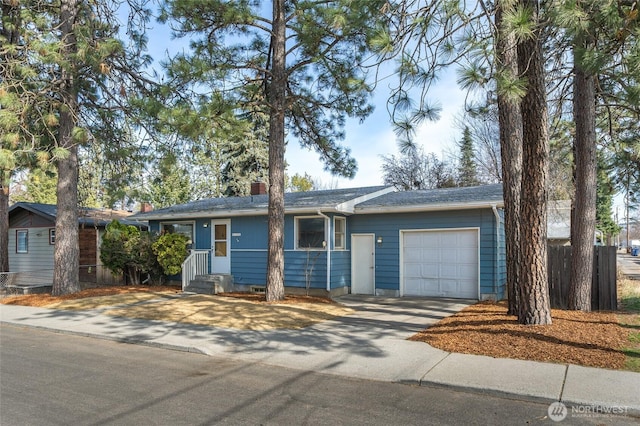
{"x": 534, "y": 291}
{"x": 4, "y": 222}
{"x": 9, "y": 29}
{"x": 583, "y": 225}
{"x": 66, "y": 252}
{"x": 510, "y": 123}
{"x": 277, "y": 102}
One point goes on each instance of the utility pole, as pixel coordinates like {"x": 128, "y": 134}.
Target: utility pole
{"x": 626, "y": 205}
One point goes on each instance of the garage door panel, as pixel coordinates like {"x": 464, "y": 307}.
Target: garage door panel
{"x": 467, "y": 239}
{"x": 449, "y": 253}
{"x": 413, "y": 270}
{"x": 430, "y": 270}
{"x": 467, "y": 270}
{"x": 421, "y": 287}
{"x": 466, "y": 290}
{"x": 413, "y": 241}
{"x": 449, "y": 271}
{"x": 440, "y": 263}
{"x": 413, "y": 255}
{"x": 429, "y": 254}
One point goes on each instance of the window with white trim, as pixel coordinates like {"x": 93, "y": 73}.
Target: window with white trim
{"x": 339, "y": 232}
{"x": 52, "y": 236}
{"x": 22, "y": 241}
{"x": 310, "y": 233}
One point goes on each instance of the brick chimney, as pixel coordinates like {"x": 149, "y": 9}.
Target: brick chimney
{"x": 258, "y": 188}
{"x": 145, "y": 207}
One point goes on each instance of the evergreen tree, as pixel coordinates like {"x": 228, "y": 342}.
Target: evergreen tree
{"x": 299, "y": 63}
{"x": 603, "y": 42}
{"x": 604, "y": 204}
{"x": 39, "y": 187}
{"x": 170, "y": 183}
{"x": 510, "y": 134}
{"x": 467, "y": 168}
{"x": 533, "y": 298}
{"x": 65, "y": 73}
{"x": 484, "y": 126}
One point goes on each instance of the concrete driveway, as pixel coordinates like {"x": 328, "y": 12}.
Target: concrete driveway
{"x": 400, "y": 318}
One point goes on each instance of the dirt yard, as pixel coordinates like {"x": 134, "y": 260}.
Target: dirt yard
{"x": 230, "y": 310}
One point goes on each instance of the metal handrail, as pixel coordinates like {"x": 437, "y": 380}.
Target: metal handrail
{"x": 197, "y": 263}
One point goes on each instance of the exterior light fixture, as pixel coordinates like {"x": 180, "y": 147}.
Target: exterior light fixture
{"x": 379, "y": 240}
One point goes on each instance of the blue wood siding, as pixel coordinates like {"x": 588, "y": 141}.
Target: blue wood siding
{"x": 388, "y": 226}
{"x": 340, "y": 268}
{"x": 249, "y": 255}
{"x": 249, "y": 248}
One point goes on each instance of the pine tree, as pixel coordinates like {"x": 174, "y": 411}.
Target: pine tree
{"x": 299, "y": 63}
{"x": 65, "y": 73}
{"x": 39, "y": 187}
{"x": 533, "y": 298}
{"x": 510, "y": 123}
{"x": 603, "y": 38}
{"x": 467, "y": 175}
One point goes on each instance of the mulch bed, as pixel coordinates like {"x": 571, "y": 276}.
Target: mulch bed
{"x": 585, "y": 338}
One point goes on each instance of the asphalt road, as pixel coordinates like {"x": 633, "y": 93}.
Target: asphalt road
{"x": 629, "y": 265}
{"x": 55, "y": 379}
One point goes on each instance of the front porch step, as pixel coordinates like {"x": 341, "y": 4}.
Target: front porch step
{"x": 210, "y": 284}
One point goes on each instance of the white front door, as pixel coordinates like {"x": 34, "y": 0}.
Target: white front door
{"x": 362, "y": 264}
{"x": 220, "y": 246}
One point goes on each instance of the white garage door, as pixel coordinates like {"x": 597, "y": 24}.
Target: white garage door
{"x": 440, "y": 263}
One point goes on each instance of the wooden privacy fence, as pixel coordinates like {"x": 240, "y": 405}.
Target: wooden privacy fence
{"x": 604, "y": 294}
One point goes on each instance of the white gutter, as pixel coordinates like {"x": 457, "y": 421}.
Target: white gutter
{"x": 328, "y": 219}
{"x": 426, "y": 208}
{"x": 212, "y": 214}
{"x": 497, "y": 215}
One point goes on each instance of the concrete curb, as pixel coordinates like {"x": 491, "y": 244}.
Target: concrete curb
{"x": 379, "y": 352}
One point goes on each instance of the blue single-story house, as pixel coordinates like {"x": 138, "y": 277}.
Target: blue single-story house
{"x": 373, "y": 240}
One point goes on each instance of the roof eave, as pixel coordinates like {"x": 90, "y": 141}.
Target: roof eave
{"x": 429, "y": 207}
{"x": 27, "y": 207}
{"x": 236, "y": 213}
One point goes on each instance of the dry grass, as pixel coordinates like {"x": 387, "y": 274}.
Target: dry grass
{"x": 244, "y": 311}
{"x": 236, "y": 312}
{"x": 629, "y": 317}
{"x": 41, "y": 300}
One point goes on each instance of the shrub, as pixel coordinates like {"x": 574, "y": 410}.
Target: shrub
{"x": 171, "y": 251}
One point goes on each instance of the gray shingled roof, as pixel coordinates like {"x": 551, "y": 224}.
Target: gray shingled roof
{"x": 310, "y": 201}
{"x": 466, "y": 197}
{"x": 86, "y": 216}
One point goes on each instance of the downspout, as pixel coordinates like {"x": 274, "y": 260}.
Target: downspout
{"x": 497, "y": 215}
{"x": 328, "y": 250}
